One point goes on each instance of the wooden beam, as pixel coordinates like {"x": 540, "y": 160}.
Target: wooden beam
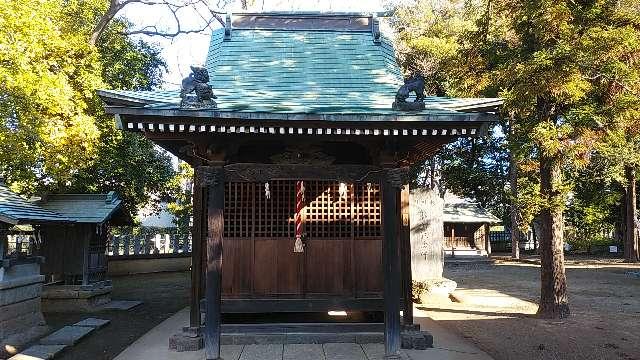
{"x": 405, "y": 259}
{"x": 391, "y": 267}
{"x": 268, "y": 172}
{"x": 215, "y": 221}
{"x": 197, "y": 239}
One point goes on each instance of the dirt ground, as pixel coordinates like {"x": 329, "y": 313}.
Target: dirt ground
{"x": 497, "y": 305}
{"x": 495, "y": 309}
{"x": 162, "y": 295}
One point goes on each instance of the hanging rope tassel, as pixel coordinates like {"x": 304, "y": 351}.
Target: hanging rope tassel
{"x": 298, "y": 246}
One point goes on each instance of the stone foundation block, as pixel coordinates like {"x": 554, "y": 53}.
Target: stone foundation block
{"x": 181, "y": 342}
{"x": 417, "y": 340}
{"x": 73, "y": 298}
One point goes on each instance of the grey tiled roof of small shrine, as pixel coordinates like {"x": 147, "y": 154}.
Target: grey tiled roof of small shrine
{"x": 15, "y": 209}
{"x": 459, "y": 210}
{"x": 301, "y": 71}
{"x": 83, "y": 208}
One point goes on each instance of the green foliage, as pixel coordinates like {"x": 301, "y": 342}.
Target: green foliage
{"x": 47, "y": 82}
{"x": 181, "y": 206}
{"x": 54, "y": 135}
{"x": 570, "y": 77}
{"x": 429, "y": 40}
{"x": 478, "y": 168}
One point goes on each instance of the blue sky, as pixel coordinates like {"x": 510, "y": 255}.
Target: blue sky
{"x": 185, "y": 50}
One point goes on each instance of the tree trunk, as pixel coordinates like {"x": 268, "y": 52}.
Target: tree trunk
{"x": 631, "y": 238}
{"x": 553, "y": 291}
{"x": 105, "y": 19}
{"x": 515, "y": 210}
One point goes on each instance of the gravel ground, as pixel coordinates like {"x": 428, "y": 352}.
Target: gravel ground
{"x": 498, "y": 304}
{"x": 162, "y": 294}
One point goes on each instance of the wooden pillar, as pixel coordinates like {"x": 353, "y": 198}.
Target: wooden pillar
{"x": 85, "y": 252}
{"x": 197, "y": 239}
{"x": 391, "y": 266}
{"x": 213, "y": 291}
{"x": 4, "y": 241}
{"x": 487, "y": 238}
{"x": 405, "y": 258}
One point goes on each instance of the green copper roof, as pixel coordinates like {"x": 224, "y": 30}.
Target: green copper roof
{"x": 17, "y": 210}
{"x": 300, "y": 71}
{"x": 84, "y": 208}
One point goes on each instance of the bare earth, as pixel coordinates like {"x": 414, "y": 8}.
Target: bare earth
{"x": 162, "y": 294}
{"x": 497, "y": 304}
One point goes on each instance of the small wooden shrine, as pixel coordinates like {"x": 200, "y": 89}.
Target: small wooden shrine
{"x": 21, "y": 319}
{"x": 466, "y": 227}
{"x": 300, "y": 129}
{"x": 76, "y": 254}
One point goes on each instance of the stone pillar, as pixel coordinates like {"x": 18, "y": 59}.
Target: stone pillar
{"x": 21, "y": 319}
{"x": 427, "y": 234}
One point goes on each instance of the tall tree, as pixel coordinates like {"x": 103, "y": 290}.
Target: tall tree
{"x": 54, "y": 135}
{"x": 553, "y": 63}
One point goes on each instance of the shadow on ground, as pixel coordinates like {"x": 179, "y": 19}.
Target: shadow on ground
{"x": 162, "y": 295}
{"x": 499, "y": 304}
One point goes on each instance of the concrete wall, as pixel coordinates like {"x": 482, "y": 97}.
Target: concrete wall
{"x": 142, "y": 265}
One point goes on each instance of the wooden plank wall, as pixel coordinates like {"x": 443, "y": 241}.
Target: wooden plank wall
{"x": 343, "y": 241}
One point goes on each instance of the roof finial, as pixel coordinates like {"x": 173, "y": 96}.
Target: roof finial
{"x": 227, "y": 28}
{"x": 375, "y": 28}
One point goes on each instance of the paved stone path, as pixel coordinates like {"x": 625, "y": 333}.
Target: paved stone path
{"x": 334, "y": 351}
{"x": 154, "y": 345}
{"x": 53, "y": 344}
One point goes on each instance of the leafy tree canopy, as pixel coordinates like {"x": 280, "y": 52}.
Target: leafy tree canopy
{"x": 54, "y": 135}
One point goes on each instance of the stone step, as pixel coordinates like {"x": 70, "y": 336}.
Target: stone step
{"x": 39, "y": 352}
{"x": 121, "y": 305}
{"x": 93, "y": 323}
{"x": 68, "y": 335}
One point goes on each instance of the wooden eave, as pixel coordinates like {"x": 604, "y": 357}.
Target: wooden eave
{"x": 226, "y": 122}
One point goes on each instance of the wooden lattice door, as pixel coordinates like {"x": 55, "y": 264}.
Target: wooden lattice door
{"x": 342, "y": 252}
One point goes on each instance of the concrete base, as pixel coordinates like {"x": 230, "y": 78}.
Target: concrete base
{"x": 74, "y": 298}
{"x": 143, "y": 265}
{"x": 190, "y": 339}
{"x": 21, "y": 319}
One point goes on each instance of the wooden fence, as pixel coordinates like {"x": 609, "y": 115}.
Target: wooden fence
{"x": 149, "y": 245}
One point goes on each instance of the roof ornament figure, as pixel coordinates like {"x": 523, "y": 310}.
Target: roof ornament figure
{"x": 198, "y": 82}
{"x": 415, "y": 84}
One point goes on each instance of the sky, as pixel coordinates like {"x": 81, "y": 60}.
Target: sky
{"x": 191, "y": 49}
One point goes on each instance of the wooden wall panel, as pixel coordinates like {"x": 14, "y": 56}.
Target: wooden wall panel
{"x": 276, "y": 268}
{"x": 328, "y": 267}
{"x": 289, "y": 270}
{"x": 265, "y": 268}
{"x": 237, "y": 267}
{"x": 368, "y": 267}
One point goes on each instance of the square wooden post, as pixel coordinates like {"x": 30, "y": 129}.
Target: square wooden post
{"x": 487, "y": 238}
{"x": 213, "y": 291}
{"x": 391, "y": 267}
{"x": 405, "y": 258}
{"x": 197, "y": 239}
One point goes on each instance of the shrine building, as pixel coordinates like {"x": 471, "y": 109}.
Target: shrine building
{"x": 301, "y": 129}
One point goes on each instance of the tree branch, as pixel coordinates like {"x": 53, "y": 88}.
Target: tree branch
{"x": 115, "y": 6}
